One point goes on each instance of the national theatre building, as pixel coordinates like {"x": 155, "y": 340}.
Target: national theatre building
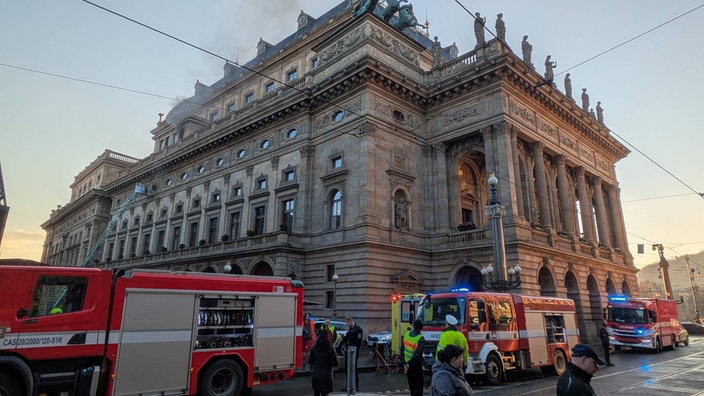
{"x": 360, "y": 147}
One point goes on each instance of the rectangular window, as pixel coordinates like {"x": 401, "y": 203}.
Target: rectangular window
{"x": 234, "y": 224}
{"x": 238, "y": 191}
{"x": 196, "y": 203}
{"x": 212, "y": 230}
{"x": 193, "y": 234}
{"x": 261, "y": 184}
{"x": 58, "y": 294}
{"x": 133, "y": 246}
{"x": 179, "y": 208}
{"x": 111, "y": 250}
{"x": 213, "y": 117}
{"x": 315, "y": 62}
{"x": 292, "y": 75}
{"x": 231, "y": 107}
{"x": 269, "y": 87}
{"x": 150, "y": 218}
{"x": 290, "y": 176}
{"x": 249, "y": 98}
{"x": 121, "y": 250}
{"x": 329, "y": 272}
{"x": 287, "y": 213}
{"x": 175, "y": 237}
{"x": 259, "y": 217}
{"x": 215, "y": 198}
{"x": 329, "y": 299}
{"x": 337, "y": 162}
{"x": 160, "y": 239}
{"x": 145, "y": 243}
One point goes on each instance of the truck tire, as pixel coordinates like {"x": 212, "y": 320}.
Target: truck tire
{"x": 223, "y": 377}
{"x": 494, "y": 370}
{"x": 9, "y": 386}
{"x": 658, "y": 345}
{"x": 559, "y": 364}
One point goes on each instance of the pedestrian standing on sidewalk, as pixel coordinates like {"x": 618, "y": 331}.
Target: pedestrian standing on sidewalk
{"x": 412, "y": 352}
{"x": 308, "y": 333}
{"x": 604, "y": 337}
{"x": 322, "y": 360}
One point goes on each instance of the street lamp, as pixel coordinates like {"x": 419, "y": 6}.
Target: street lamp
{"x": 335, "y": 278}
{"x": 500, "y": 279}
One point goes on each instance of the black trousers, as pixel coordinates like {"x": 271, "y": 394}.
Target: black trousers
{"x": 415, "y": 377}
{"x": 607, "y": 350}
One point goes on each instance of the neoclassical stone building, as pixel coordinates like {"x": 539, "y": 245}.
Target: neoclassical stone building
{"x": 355, "y": 148}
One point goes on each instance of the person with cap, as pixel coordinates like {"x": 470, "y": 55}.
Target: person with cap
{"x": 452, "y": 336}
{"x": 412, "y": 352}
{"x": 576, "y": 380}
{"x": 448, "y": 377}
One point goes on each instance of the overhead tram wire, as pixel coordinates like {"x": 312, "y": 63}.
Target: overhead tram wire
{"x": 235, "y": 63}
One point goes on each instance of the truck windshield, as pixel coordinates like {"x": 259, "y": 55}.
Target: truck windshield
{"x": 628, "y": 315}
{"x": 432, "y": 310}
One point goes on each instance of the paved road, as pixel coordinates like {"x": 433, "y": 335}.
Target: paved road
{"x": 673, "y": 373}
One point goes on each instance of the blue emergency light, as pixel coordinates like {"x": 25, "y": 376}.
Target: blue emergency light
{"x": 618, "y": 297}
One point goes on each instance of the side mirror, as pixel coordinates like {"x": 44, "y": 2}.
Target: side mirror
{"x": 22, "y": 312}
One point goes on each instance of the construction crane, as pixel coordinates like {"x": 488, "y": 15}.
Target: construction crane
{"x": 139, "y": 190}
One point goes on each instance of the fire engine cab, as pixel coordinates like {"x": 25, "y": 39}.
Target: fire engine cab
{"x": 648, "y": 323}
{"x": 88, "y": 331}
{"x": 504, "y": 331}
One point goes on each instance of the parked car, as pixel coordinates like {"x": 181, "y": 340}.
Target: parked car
{"x": 381, "y": 337}
{"x": 693, "y": 328}
{"x": 341, "y": 329}
{"x": 684, "y": 335}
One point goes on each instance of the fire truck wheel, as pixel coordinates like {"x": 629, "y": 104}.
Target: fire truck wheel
{"x": 9, "y": 386}
{"x": 673, "y": 343}
{"x": 559, "y": 362}
{"x": 494, "y": 370}
{"x": 222, "y": 378}
{"x": 658, "y": 345}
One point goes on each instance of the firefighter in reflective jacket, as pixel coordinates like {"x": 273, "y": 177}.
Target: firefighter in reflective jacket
{"x": 412, "y": 352}
{"x": 452, "y": 336}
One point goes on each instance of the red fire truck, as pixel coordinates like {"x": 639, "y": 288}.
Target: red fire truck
{"x": 504, "y": 331}
{"x": 648, "y": 323}
{"x": 87, "y": 331}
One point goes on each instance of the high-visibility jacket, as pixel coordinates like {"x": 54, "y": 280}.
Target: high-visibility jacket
{"x": 411, "y": 344}
{"x": 451, "y": 336}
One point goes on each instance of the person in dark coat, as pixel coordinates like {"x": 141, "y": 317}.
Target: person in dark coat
{"x": 448, "y": 377}
{"x": 322, "y": 360}
{"x": 353, "y": 337}
{"x": 576, "y": 380}
{"x": 605, "y": 343}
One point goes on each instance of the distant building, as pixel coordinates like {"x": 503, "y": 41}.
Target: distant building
{"x": 349, "y": 153}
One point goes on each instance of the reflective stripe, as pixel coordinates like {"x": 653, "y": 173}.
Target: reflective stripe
{"x": 274, "y": 332}
{"x": 410, "y": 345}
{"x": 153, "y": 337}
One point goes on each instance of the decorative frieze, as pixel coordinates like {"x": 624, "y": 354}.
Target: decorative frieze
{"x": 341, "y": 45}
{"x": 461, "y": 116}
{"x": 523, "y": 113}
{"x": 394, "y": 45}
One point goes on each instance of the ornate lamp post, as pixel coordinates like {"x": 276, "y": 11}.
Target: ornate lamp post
{"x": 502, "y": 279}
{"x": 335, "y": 278}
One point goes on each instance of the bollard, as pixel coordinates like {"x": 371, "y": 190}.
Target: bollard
{"x": 351, "y": 368}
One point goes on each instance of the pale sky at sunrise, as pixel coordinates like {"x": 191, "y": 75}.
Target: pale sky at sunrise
{"x": 53, "y": 127}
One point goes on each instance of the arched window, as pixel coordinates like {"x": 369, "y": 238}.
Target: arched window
{"x": 335, "y": 209}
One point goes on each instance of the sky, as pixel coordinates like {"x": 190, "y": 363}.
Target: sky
{"x": 54, "y": 123}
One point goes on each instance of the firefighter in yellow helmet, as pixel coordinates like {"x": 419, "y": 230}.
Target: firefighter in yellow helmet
{"x": 452, "y": 336}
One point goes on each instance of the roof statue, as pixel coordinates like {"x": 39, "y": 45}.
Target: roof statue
{"x": 568, "y": 86}
{"x": 479, "y": 29}
{"x": 500, "y": 28}
{"x": 549, "y": 66}
{"x": 406, "y": 18}
{"x": 585, "y": 100}
{"x": 599, "y": 112}
{"x": 364, "y": 6}
{"x": 527, "y": 50}
{"x": 392, "y": 7}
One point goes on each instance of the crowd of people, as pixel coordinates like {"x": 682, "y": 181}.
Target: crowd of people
{"x": 451, "y": 360}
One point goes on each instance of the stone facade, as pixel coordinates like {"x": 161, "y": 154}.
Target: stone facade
{"x": 357, "y": 156}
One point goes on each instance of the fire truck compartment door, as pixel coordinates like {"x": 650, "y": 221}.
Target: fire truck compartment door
{"x": 275, "y": 332}
{"x": 155, "y": 343}
{"x": 537, "y": 342}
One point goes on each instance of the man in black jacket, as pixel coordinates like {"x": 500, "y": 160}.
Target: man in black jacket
{"x": 605, "y": 343}
{"x": 353, "y": 338}
{"x": 575, "y": 381}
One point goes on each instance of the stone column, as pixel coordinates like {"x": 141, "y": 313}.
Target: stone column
{"x": 428, "y": 208}
{"x": 542, "y": 186}
{"x": 443, "y": 219}
{"x": 585, "y": 204}
{"x": 303, "y": 218}
{"x": 602, "y": 221}
{"x": 617, "y": 218}
{"x": 566, "y": 206}
{"x": 518, "y": 186}
{"x": 505, "y": 159}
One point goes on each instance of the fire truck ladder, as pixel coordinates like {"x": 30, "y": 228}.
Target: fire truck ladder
{"x": 139, "y": 190}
